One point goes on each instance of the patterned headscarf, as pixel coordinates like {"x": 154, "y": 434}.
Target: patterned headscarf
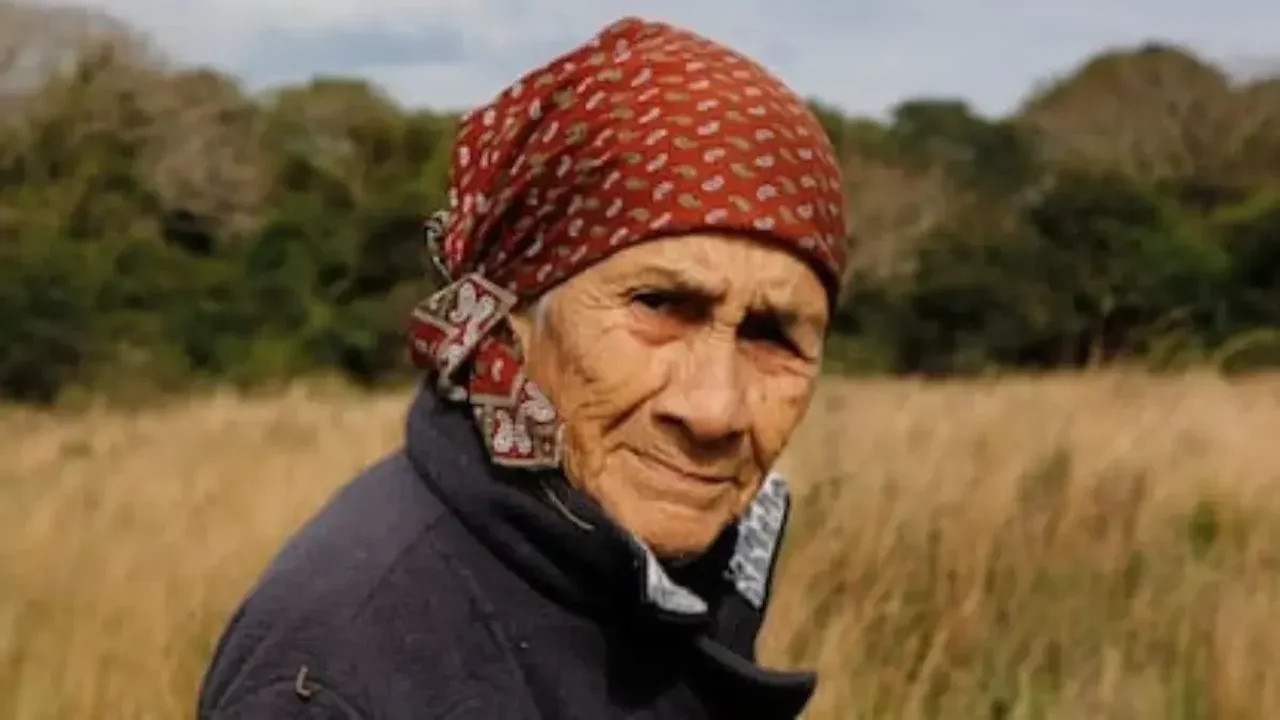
{"x": 645, "y": 131}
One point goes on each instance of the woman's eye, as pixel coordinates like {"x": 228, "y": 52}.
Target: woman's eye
{"x": 650, "y": 300}
{"x": 672, "y": 305}
{"x": 759, "y": 328}
{"x": 656, "y": 299}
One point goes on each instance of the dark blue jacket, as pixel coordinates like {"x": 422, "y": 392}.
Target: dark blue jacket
{"x": 436, "y": 585}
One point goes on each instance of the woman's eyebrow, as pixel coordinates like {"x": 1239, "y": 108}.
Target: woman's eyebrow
{"x": 675, "y": 279}
{"x": 786, "y": 314}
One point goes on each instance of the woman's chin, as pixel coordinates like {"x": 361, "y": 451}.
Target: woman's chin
{"x": 670, "y": 528}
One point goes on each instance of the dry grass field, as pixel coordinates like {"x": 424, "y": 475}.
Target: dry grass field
{"x": 1098, "y": 547}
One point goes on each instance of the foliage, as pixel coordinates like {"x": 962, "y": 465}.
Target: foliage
{"x": 164, "y": 225}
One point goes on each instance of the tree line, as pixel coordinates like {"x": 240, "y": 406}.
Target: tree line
{"x": 161, "y": 226}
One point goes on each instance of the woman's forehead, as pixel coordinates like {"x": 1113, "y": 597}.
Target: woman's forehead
{"x": 717, "y": 264}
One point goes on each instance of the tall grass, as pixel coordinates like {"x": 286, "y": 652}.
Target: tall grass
{"x": 1100, "y": 546}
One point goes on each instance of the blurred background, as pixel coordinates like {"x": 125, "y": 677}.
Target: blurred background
{"x": 1039, "y": 479}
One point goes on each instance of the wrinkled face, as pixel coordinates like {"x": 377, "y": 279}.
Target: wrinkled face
{"x": 679, "y": 367}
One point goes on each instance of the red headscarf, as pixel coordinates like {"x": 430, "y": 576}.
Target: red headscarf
{"x": 645, "y": 131}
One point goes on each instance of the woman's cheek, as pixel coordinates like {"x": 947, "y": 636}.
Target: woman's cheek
{"x": 777, "y": 407}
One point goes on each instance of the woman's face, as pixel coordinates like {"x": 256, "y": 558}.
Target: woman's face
{"x": 679, "y": 367}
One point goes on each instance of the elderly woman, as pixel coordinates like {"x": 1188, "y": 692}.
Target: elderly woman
{"x": 643, "y": 246}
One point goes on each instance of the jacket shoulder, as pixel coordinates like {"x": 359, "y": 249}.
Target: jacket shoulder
{"x": 364, "y": 604}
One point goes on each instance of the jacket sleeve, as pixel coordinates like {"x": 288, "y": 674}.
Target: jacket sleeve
{"x": 298, "y": 699}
